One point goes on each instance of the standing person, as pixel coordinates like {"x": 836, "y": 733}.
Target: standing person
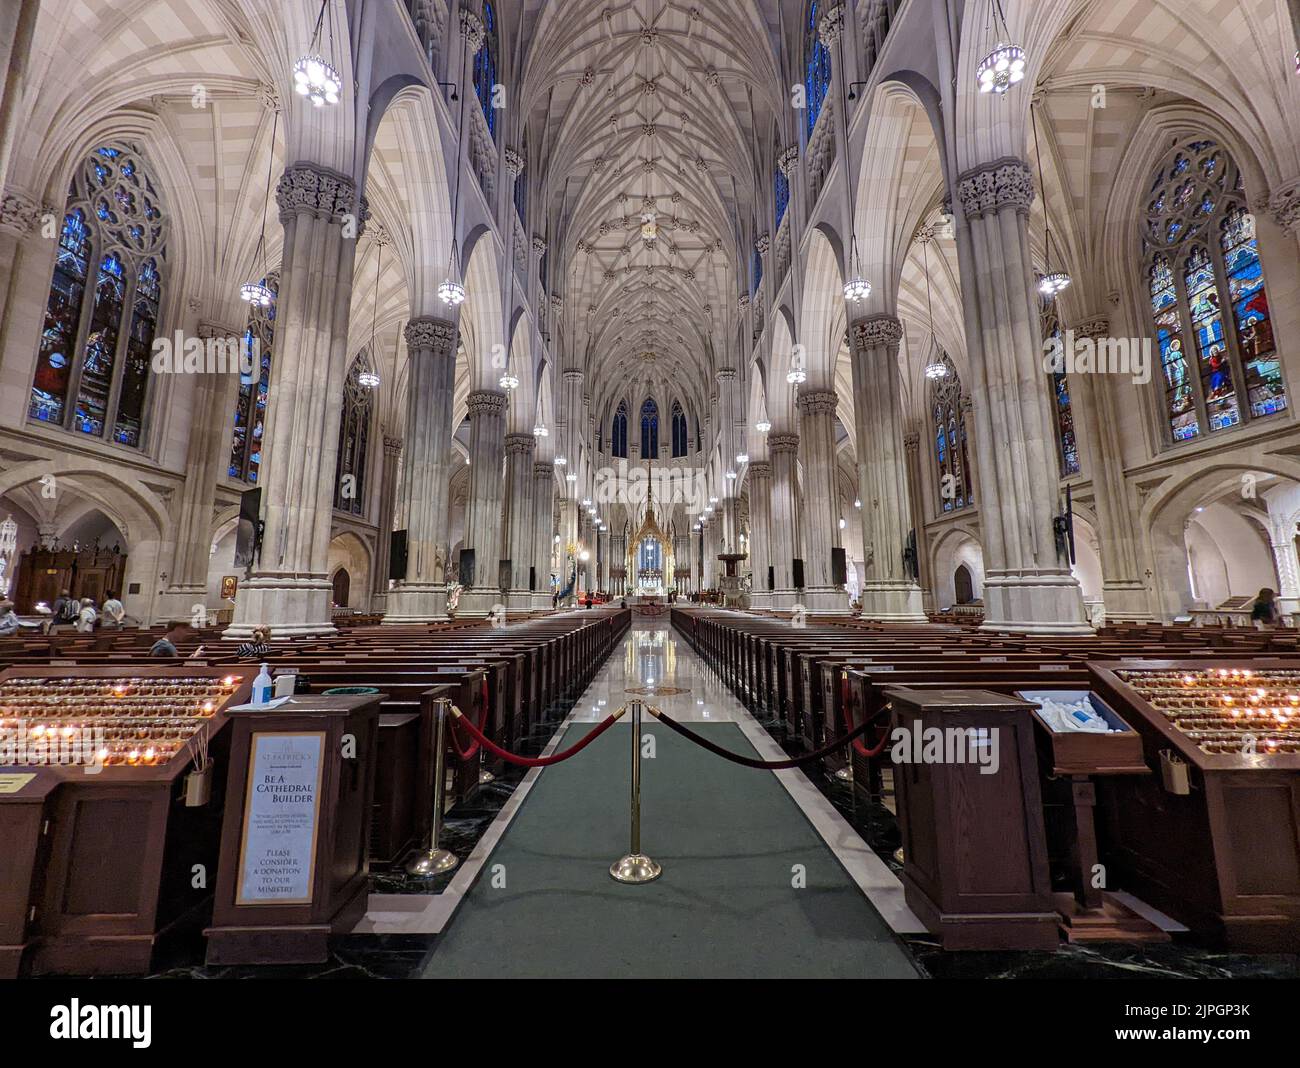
{"x": 258, "y": 648}
{"x": 113, "y": 611}
{"x": 67, "y": 609}
{"x": 87, "y": 617}
{"x": 1265, "y": 612}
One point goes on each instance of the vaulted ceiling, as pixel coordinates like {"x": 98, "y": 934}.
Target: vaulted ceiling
{"x": 645, "y": 120}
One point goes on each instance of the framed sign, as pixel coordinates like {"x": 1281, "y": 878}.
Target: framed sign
{"x": 277, "y": 848}
{"x": 229, "y": 587}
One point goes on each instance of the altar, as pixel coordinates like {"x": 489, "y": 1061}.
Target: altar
{"x": 650, "y": 556}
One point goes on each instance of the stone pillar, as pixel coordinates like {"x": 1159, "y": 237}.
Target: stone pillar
{"x": 915, "y": 484}
{"x": 431, "y": 353}
{"x": 822, "y": 595}
{"x": 1123, "y": 591}
{"x": 213, "y": 403}
{"x": 1282, "y": 538}
{"x": 387, "y": 510}
{"x": 520, "y": 520}
{"x": 543, "y": 534}
{"x": 1028, "y": 587}
{"x": 483, "y": 513}
{"x": 888, "y": 592}
{"x": 760, "y": 538}
{"x": 712, "y": 528}
{"x": 784, "y": 449}
{"x": 290, "y": 586}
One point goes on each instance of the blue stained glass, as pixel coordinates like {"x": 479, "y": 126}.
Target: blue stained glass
{"x": 485, "y": 68}
{"x": 817, "y": 68}
{"x": 782, "y": 195}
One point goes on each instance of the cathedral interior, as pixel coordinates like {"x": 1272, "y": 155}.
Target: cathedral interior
{"x": 774, "y": 377}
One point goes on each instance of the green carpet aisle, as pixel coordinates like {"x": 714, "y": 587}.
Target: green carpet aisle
{"x": 729, "y": 840}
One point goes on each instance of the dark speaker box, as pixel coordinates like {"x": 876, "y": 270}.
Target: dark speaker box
{"x": 798, "y": 574}
{"x": 839, "y": 567}
{"x": 397, "y": 556}
{"x": 467, "y": 567}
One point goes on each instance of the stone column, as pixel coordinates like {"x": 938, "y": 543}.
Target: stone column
{"x": 822, "y": 594}
{"x": 213, "y": 403}
{"x": 543, "y": 534}
{"x": 784, "y": 449}
{"x": 421, "y": 597}
{"x": 1028, "y": 587}
{"x": 290, "y": 587}
{"x": 1282, "y": 538}
{"x": 387, "y": 510}
{"x": 760, "y": 538}
{"x": 888, "y": 592}
{"x": 483, "y": 513}
{"x": 915, "y": 482}
{"x": 1123, "y": 591}
{"x": 520, "y": 520}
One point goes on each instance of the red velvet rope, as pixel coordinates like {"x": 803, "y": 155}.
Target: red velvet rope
{"x": 859, "y": 746}
{"x": 538, "y": 762}
{"x": 472, "y": 752}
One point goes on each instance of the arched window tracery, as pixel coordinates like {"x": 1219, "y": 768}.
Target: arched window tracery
{"x": 618, "y": 433}
{"x": 254, "y": 389}
{"x": 951, "y": 452}
{"x": 485, "y": 66}
{"x": 681, "y": 439}
{"x": 817, "y": 65}
{"x": 1067, "y": 442}
{"x": 354, "y": 439}
{"x": 1219, "y": 361}
{"x": 93, "y": 365}
{"x": 649, "y": 430}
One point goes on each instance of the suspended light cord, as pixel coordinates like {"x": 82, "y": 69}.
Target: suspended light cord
{"x": 374, "y": 314}
{"x": 270, "y": 169}
{"x": 1053, "y": 280}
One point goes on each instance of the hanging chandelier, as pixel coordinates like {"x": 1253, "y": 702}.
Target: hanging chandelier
{"x": 1051, "y": 282}
{"x": 314, "y": 76}
{"x": 256, "y": 293}
{"x": 797, "y": 376}
{"x": 935, "y": 368}
{"x": 509, "y": 382}
{"x": 856, "y": 289}
{"x": 1004, "y": 66}
{"x": 560, "y": 461}
{"x": 743, "y": 458}
{"x": 368, "y": 380}
{"x": 539, "y": 431}
{"x": 763, "y": 426}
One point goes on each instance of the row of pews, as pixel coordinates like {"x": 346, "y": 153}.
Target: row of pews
{"x": 1210, "y": 838}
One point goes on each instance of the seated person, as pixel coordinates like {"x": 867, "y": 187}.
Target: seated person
{"x": 9, "y": 621}
{"x": 258, "y": 648}
{"x": 166, "y": 645}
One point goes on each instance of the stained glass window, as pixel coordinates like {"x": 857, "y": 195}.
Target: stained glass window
{"x": 756, "y": 270}
{"x": 97, "y": 351}
{"x": 1199, "y": 243}
{"x": 618, "y": 432}
{"x": 354, "y": 440}
{"x": 254, "y": 390}
{"x": 649, "y": 430}
{"x": 782, "y": 195}
{"x": 951, "y": 452}
{"x": 485, "y": 67}
{"x": 817, "y": 66}
{"x": 680, "y": 437}
{"x": 1062, "y": 411}
{"x": 521, "y": 189}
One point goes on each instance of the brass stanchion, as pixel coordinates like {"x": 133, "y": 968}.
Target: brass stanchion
{"x": 636, "y": 867}
{"x": 435, "y": 860}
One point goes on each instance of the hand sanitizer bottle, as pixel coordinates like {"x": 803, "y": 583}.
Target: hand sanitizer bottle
{"x": 262, "y": 687}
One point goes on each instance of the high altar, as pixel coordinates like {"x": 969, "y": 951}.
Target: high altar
{"x": 650, "y": 551}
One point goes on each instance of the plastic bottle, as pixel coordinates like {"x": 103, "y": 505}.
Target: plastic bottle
{"x": 262, "y": 687}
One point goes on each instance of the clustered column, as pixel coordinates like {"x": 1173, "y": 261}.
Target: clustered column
{"x": 520, "y": 452}
{"x": 387, "y": 508}
{"x": 483, "y": 516}
{"x": 290, "y": 587}
{"x": 822, "y": 594}
{"x": 543, "y": 533}
{"x": 1028, "y": 586}
{"x": 760, "y": 507}
{"x": 784, "y": 449}
{"x": 421, "y": 596}
{"x": 889, "y": 593}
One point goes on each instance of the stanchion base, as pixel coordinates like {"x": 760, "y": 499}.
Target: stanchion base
{"x": 845, "y": 774}
{"x": 430, "y": 863}
{"x": 635, "y": 868}
{"x": 485, "y": 777}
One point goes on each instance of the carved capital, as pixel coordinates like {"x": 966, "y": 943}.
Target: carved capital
{"x": 788, "y": 160}
{"x": 764, "y": 244}
{"x": 514, "y": 161}
{"x": 309, "y": 189}
{"x": 539, "y": 245}
{"x": 520, "y": 443}
{"x": 18, "y": 213}
{"x": 1096, "y": 327}
{"x": 742, "y": 302}
{"x": 779, "y": 443}
{"x": 1006, "y": 183}
{"x": 486, "y": 402}
{"x": 831, "y": 26}
{"x": 875, "y": 331}
{"x": 727, "y": 374}
{"x": 759, "y": 470}
{"x": 573, "y": 374}
{"x": 471, "y": 28}
{"x": 210, "y": 331}
{"x": 392, "y": 446}
{"x": 436, "y": 336}
{"x": 818, "y": 401}
{"x": 1284, "y": 206}
{"x": 911, "y": 441}
{"x": 543, "y": 471}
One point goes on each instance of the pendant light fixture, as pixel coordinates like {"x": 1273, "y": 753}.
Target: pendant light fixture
{"x": 857, "y": 288}
{"x": 1052, "y": 281}
{"x": 1004, "y": 66}
{"x": 935, "y": 368}
{"x": 257, "y": 292}
{"x": 368, "y": 378}
{"x": 314, "y": 76}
